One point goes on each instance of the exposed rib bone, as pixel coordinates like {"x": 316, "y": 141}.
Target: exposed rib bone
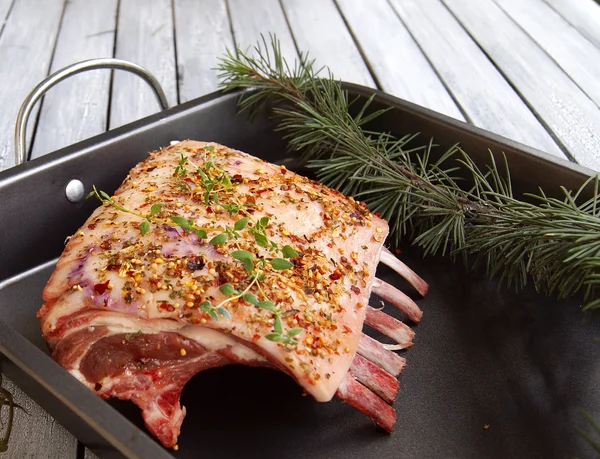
{"x": 380, "y": 356}
{"x": 398, "y": 331}
{"x": 389, "y": 259}
{"x": 397, "y": 298}
{"x": 357, "y": 395}
{"x": 376, "y": 379}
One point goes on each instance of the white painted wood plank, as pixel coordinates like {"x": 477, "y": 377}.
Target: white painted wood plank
{"x": 203, "y": 34}
{"x": 485, "y": 96}
{"x": 144, "y": 36}
{"x": 395, "y": 58}
{"x": 251, "y": 19}
{"x": 26, "y": 44}
{"x": 584, "y": 15}
{"x": 319, "y": 28}
{"x": 36, "y": 435}
{"x": 577, "y": 56}
{"x": 557, "y": 100}
{"x": 87, "y": 31}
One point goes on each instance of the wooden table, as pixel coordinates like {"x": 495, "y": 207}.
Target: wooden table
{"x": 527, "y": 70}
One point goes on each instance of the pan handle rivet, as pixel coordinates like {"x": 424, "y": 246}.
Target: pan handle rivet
{"x": 74, "y": 191}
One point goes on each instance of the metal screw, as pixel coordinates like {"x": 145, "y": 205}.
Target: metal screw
{"x": 74, "y": 191}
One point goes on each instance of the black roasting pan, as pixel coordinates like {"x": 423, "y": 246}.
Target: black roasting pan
{"x": 492, "y": 374}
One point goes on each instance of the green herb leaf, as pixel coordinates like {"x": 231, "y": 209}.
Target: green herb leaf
{"x": 264, "y": 222}
{"x": 156, "y": 208}
{"x": 242, "y": 255}
{"x": 200, "y": 233}
{"x": 208, "y": 308}
{"x": 269, "y": 305}
{"x": 224, "y": 312}
{"x": 277, "y": 338}
{"x": 248, "y": 265}
{"x": 105, "y": 196}
{"x": 261, "y": 239}
{"x": 278, "y": 326}
{"x": 251, "y": 298}
{"x": 144, "y": 227}
{"x": 294, "y": 331}
{"x": 218, "y": 239}
{"x": 280, "y": 264}
{"x": 180, "y": 221}
{"x": 240, "y": 224}
{"x": 288, "y": 252}
{"x": 227, "y": 289}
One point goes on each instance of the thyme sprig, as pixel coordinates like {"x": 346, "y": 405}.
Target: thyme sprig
{"x": 555, "y": 242}
{"x": 213, "y": 180}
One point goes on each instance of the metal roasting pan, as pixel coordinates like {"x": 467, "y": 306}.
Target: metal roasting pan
{"x": 519, "y": 363}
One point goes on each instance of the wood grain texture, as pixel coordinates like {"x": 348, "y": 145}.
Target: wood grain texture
{"x": 578, "y": 57}
{"x": 87, "y": 31}
{"x": 584, "y": 15}
{"x": 203, "y": 33}
{"x": 25, "y": 58}
{"x": 36, "y": 435}
{"x": 319, "y": 28}
{"x": 395, "y": 58}
{"x": 485, "y": 96}
{"x": 251, "y": 19}
{"x": 144, "y": 36}
{"x": 567, "y": 112}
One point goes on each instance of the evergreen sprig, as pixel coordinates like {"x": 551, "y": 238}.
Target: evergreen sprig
{"x": 555, "y": 242}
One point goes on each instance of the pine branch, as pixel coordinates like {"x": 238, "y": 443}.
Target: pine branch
{"x": 554, "y": 242}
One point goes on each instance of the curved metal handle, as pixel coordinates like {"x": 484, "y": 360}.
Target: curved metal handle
{"x": 73, "y": 69}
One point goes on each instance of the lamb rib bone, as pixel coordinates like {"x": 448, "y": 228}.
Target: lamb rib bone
{"x": 389, "y": 259}
{"x": 397, "y": 298}
{"x": 380, "y": 356}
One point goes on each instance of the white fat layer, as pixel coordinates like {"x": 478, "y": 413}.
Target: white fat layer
{"x": 215, "y": 340}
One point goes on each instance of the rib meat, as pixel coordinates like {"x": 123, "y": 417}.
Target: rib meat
{"x": 130, "y": 309}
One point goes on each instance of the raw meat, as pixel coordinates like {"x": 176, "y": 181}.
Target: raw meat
{"x": 206, "y": 256}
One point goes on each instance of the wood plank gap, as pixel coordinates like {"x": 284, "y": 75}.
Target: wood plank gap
{"x": 177, "y": 76}
{"x": 197, "y": 50}
{"x": 6, "y": 16}
{"x": 228, "y": 9}
{"x": 531, "y": 107}
{"x": 253, "y": 23}
{"x": 287, "y": 20}
{"x": 112, "y": 72}
{"x": 584, "y": 15}
{"x": 378, "y": 84}
{"x": 87, "y": 32}
{"x": 29, "y": 148}
{"x": 145, "y": 37}
{"x": 462, "y": 110}
{"x": 320, "y": 30}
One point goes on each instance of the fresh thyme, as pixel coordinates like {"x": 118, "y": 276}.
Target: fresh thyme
{"x": 555, "y": 242}
{"x": 214, "y": 180}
